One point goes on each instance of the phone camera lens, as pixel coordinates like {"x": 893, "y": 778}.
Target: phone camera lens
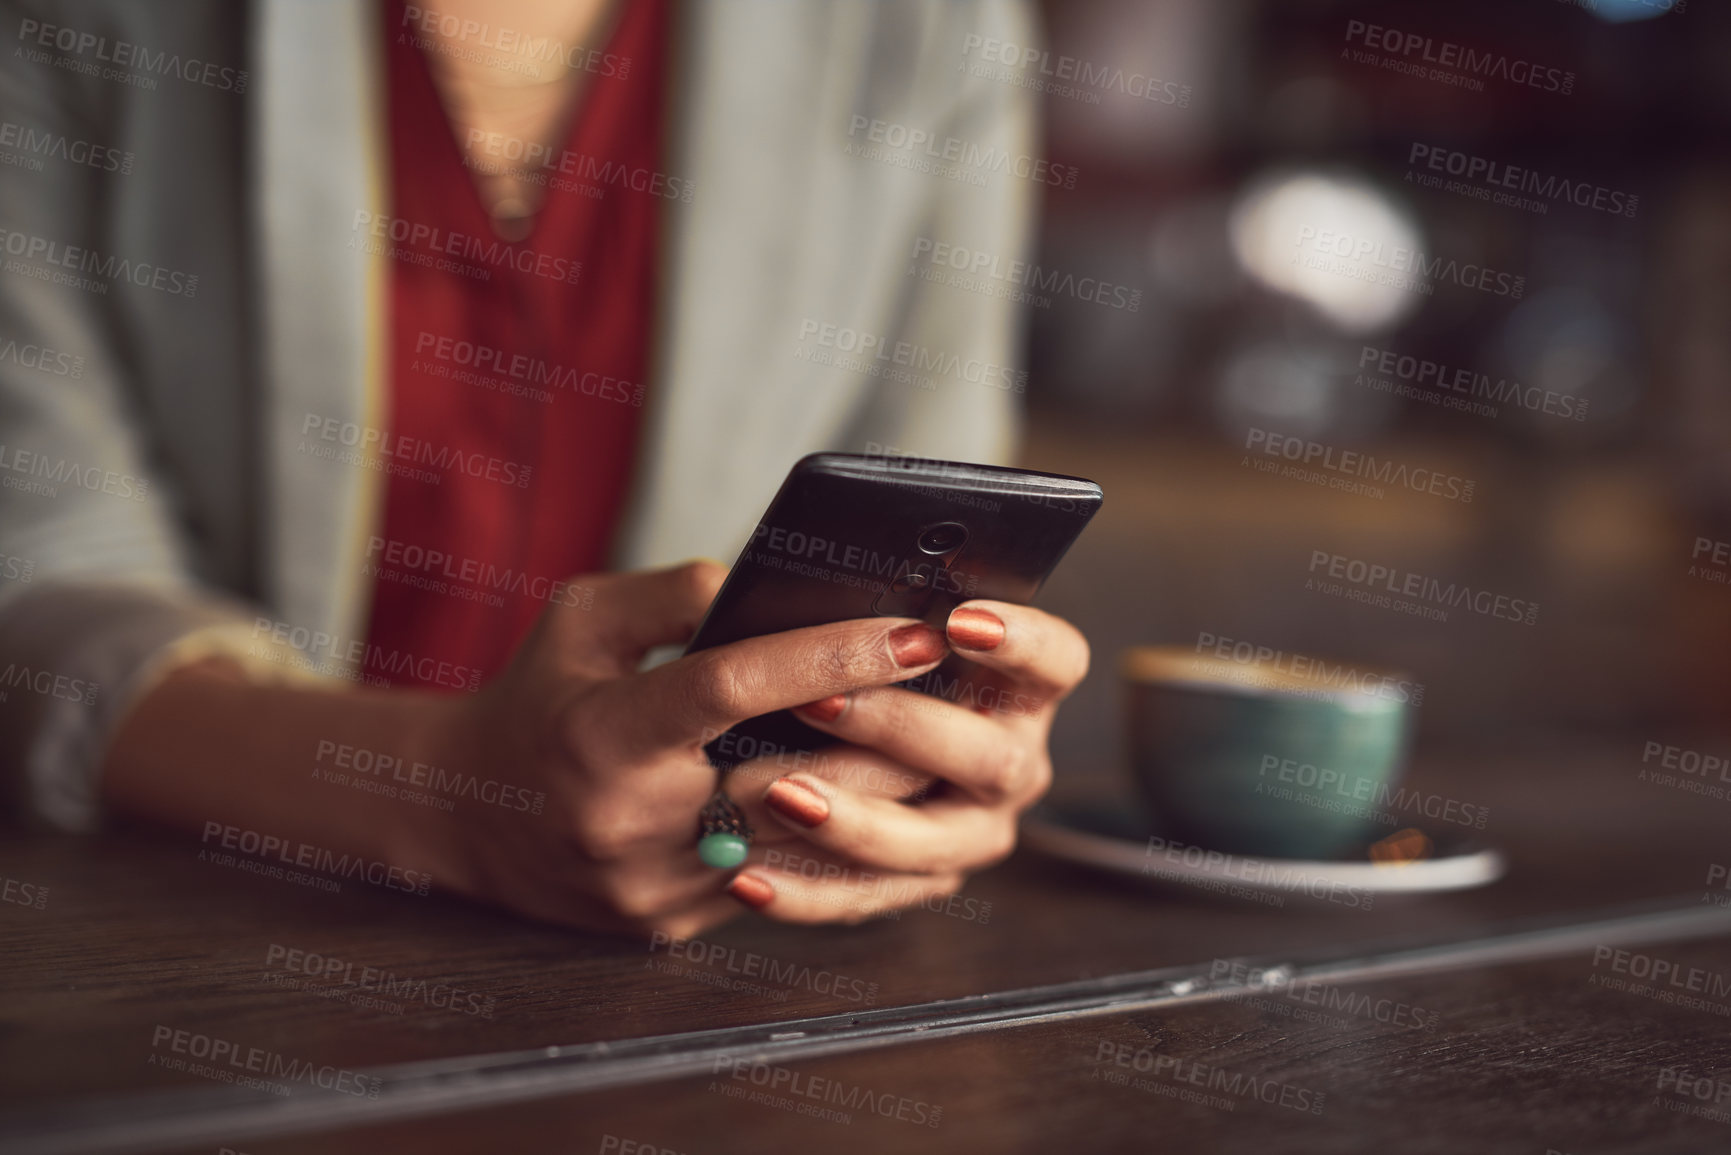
{"x": 943, "y": 537}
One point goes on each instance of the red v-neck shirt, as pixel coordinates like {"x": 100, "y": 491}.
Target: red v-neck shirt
{"x": 516, "y": 370}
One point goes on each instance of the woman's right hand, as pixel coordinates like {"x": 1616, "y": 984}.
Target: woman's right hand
{"x": 618, "y": 755}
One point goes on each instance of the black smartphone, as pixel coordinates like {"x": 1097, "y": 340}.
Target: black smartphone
{"x": 852, "y": 536}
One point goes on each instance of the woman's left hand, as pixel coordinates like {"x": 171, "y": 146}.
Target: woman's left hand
{"x": 961, "y": 767}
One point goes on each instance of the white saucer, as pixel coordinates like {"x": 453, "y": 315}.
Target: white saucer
{"x": 1102, "y": 836}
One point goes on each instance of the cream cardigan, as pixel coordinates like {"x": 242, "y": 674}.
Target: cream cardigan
{"x": 168, "y": 495}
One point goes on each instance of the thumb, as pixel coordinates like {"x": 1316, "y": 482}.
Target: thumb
{"x": 636, "y": 612}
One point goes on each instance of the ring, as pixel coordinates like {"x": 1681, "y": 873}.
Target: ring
{"x": 724, "y": 837}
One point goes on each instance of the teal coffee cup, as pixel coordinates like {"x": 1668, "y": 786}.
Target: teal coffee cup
{"x": 1275, "y": 758}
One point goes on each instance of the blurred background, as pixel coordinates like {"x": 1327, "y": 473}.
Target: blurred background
{"x": 1580, "y": 386}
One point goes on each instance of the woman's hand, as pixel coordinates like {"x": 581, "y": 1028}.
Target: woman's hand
{"x": 979, "y": 745}
{"x": 619, "y": 756}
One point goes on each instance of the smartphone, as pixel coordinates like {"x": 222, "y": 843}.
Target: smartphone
{"x": 854, "y": 536}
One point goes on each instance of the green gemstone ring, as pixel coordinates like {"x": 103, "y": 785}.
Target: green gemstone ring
{"x": 724, "y": 836}
{"x": 722, "y": 851}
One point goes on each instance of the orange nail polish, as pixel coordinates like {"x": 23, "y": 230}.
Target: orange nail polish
{"x": 916, "y": 645}
{"x": 751, "y": 890}
{"x": 825, "y": 709}
{"x": 797, "y": 801}
{"x": 976, "y": 629}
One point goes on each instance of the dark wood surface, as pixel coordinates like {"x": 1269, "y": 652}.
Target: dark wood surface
{"x": 137, "y": 934}
{"x": 1524, "y": 1059}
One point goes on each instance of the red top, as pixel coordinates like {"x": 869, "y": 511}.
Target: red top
{"x": 516, "y": 369}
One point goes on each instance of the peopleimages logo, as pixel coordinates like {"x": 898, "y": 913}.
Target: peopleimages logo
{"x": 42, "y": 358}
{"x": 1682, "y": 1085}
{"x": 1229, "y": 868}
{"x": 433, "y": 241}
{"x": 28, "y": 894}
{"x": 1688, "y": 761}
{"x": 1067, "y": 76}
{"x": 46, "y": 683}
{"x": 809, "y": 1090}
{"x": 16, "y": 569}
{"x": 529, "y": 371}
{"x": 1451, "y": 60}
{"x": 956, "y": 150}
{"x": 1350, "y": 466}
{"x": 750, "y": 964}
{"x": 335, "y": 976}
{"x": 1181, "y": 1070}
{"x": 144, "y": 274}
{"x": 1692, "y": 771}
{"x": 228, "y": 1062}
{"x": 319, "y": 858}
{"x": 330, "y": 654}
{"x": 1509, "y": 179}
{"x": 442, "y": 572}
{"x": 873, "y": 893}
{"x": 1718, "y": 878}
{"x": 43, "y": 475}
{"x": 538, "y": 48}
{"x": 42, "y": 142}
{"x": 361, "y": 762}
{"x": 1368, "y": 259}
{"x": 1280, "y": 982}
{"x": 863, "y": 560}
{"x": 1390, "y": 588}
{"x": 1265, "y": 665}
{"x": 542, "y": 165}
{"x": 987, "y": 273}
{"x": 1710, "y": 560}
{"x": 1662, "y": 972}
{"x": 878, "y": 354}
{"x": 398, "y": 448}
{"x": 1422, "y": 378}
{"x": 1321, "y": 781}
{"x": 126, "y": 54}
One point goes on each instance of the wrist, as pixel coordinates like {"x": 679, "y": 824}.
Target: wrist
{"x": 428, "y": 824}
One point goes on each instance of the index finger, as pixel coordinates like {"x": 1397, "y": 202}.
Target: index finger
{"x": 676, "y": 704}
{"x": 1046, "y": 655}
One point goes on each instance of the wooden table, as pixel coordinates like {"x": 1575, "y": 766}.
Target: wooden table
{"x": 141, "y": 956}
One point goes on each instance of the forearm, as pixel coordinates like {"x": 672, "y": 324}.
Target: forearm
{"x": 209, "y": 745}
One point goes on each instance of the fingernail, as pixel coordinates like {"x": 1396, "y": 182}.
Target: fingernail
{"x": 751, "y": 890}
{"x": 916, "y": 645}
{"x": 974, "y": 629}
{"x": 824, "y": 709}
{"x": 797, "y": 801}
